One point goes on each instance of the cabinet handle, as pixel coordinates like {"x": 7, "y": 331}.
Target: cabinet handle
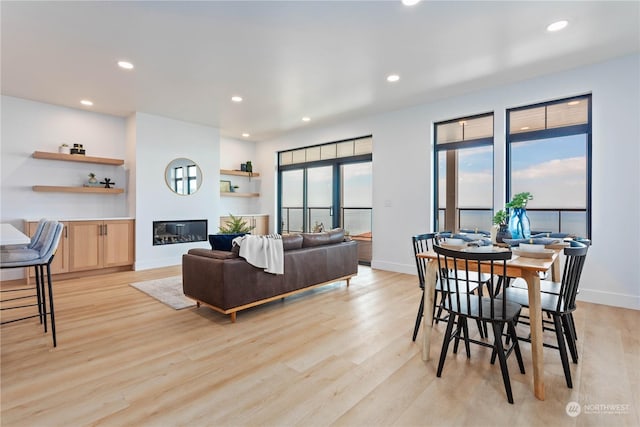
{"x": 105, "y": 229}
{"x": 100, "y": 230}
{"x": 66, "y": 232}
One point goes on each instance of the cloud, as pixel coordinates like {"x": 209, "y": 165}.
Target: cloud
{"x": 556, "y": 168}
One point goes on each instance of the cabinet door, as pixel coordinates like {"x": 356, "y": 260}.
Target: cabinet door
{"x": 85, "y": 245}
{"x": 119, "y": 245}
{"x": 261, "y": 224}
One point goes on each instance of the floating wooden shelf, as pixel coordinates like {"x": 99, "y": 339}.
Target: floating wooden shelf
{"x": 230, "y": 194}
{"x": 77, "y": 158}
{"x": 59, "y": 189}
{"x": 238, "y": 173}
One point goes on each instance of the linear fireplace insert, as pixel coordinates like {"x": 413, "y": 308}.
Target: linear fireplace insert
{"x": 184, "y": 231}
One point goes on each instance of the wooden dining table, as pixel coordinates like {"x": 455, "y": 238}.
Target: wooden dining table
{"x": 518, "y": 266}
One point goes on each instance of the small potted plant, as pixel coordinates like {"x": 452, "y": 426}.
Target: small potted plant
{"x": 64, "y": 149}
{"x": 234, "y": 227}
{"x": 500, "y": 230}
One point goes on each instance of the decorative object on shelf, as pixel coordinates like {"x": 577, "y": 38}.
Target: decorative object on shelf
{"x": 519, "y": 224}
{"x": 249, "y": 168}
{"x": 64, "y": 149}
{"x": 77, "y": 149}
{"x": 225, "y": 186}
{"x": 243, "y": 167}
{"x": 92, "y": 181}
{"x": 234, "y": 188}
{"x": 107, "y": 183}
{"x": 500, "y": 229}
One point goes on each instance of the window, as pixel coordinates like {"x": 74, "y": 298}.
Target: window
{"x": 549, "y": 155}
{"x": 464, "y": 173}
{"x": 328, "y": 184}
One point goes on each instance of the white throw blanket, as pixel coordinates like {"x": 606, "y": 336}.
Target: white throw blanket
{"x": 262, "y": 251}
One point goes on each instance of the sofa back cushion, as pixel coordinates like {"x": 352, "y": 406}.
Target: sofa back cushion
{"x": 291, "y": 241}
{"x": 325, "y": 238}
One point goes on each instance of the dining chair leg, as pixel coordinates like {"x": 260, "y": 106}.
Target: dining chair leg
{"x": 465, "y": 330}
{"x": 497, "y": 333}
{"x": 563, "y": 350}
{"x": 516, "y": 345}
{"x": 445, "y": 344}
{"x": 571, "y": 342}
{"x": 419, "y": 317}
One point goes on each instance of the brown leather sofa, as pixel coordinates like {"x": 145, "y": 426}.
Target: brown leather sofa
{"x": 227, "y": 283}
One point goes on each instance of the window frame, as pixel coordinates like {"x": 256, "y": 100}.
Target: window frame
{"x": 464, "y": 144}
{"x": 556, "y": 132}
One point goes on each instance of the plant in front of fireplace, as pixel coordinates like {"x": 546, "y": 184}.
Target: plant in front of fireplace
{"x": 235, "y": 226}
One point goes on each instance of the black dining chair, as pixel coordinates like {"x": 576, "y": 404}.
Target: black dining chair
{"x": 483, "y": 306}
{"x": 559, "y": 306}
{"x": 422, "y": 243}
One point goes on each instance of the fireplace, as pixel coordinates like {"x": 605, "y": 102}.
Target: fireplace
{"x": 185, "y": 231}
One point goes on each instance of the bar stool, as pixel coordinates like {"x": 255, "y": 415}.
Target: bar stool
{"x": 39, "y": 255}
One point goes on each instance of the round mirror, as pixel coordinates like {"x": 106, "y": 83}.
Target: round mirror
{"x": 183, "y": 176}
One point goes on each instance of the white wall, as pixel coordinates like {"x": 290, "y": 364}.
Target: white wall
{"x": 402, "y": 165}
{"x": 159, "y": 140}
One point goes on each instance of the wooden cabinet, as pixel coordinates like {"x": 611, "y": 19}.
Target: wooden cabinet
{"x": 100, "y": 244}
{"x": 259, "y": 222}
{"x": 60, "y": 262}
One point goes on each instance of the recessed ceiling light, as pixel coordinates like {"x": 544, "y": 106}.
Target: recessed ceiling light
{"x": 462, "y": 123}
{"x": 524, "y": 128}
{"x": 573, "y": 102}
{"x": 236, "y": 98}
{"x": 393, "y": 78}
{"x": 306, "y": 119}
{"x": 125, "y": 64}
{"x": 86, "y": 102}
{"x": 246, "y": 135}
{"x": 557, "y": 26}
{"x": 410, "y": 2}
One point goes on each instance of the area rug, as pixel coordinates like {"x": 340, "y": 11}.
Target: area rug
{"x": 167, "y": 291}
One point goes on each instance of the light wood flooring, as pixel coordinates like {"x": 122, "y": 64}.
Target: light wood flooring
{"x": 332, "y": 356}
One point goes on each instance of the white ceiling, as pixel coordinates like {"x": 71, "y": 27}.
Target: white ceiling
{"x": 327, "y": 60}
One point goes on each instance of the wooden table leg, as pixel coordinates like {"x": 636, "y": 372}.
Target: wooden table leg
{"x": 430, "y": 277}
{"x": 535, "y": 318}
{"x": 555, "y": 269}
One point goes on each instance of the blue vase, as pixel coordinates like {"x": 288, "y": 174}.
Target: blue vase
{"x": 519, "y": 224}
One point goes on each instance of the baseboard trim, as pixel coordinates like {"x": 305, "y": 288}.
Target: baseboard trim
{"x": 609, "y": 298}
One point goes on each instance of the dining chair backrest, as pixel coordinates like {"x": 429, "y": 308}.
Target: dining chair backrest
{"x": 575, "y": 256}
{"x": 45, "y": 235}
{"x": 38, "y": 233}
{"x": 421, "y": 243}
{"x": 463, "y": 268}
{"x": 51, "y": 240}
